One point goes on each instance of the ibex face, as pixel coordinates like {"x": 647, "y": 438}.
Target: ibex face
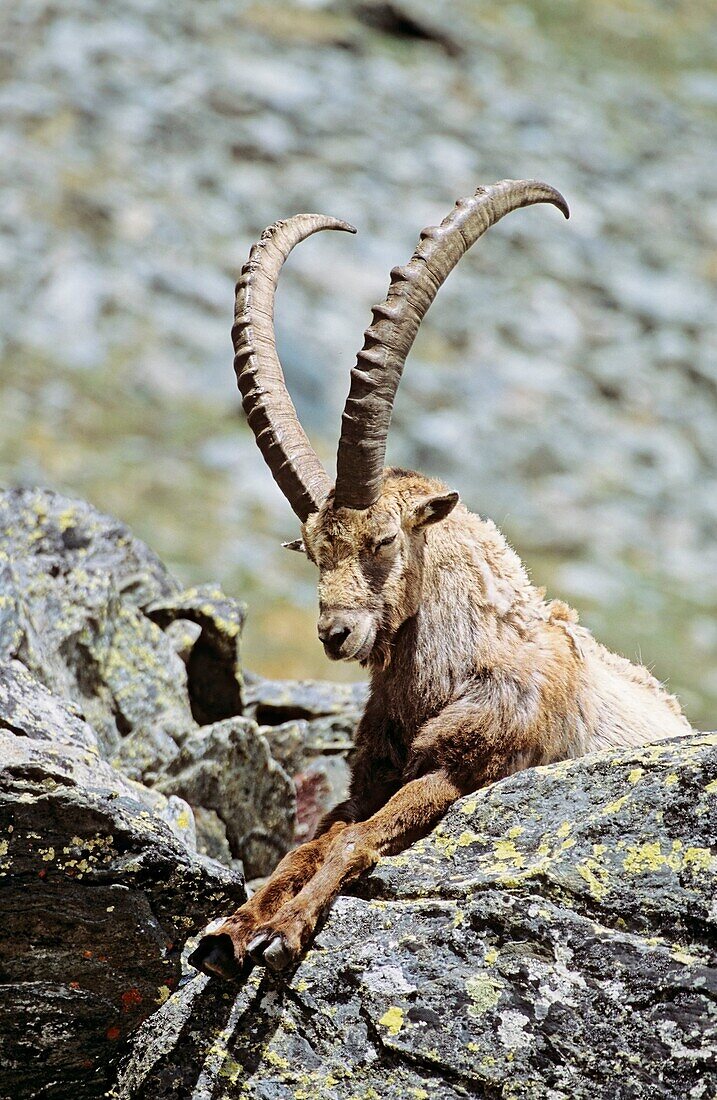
{"x": 370, "y": 564}
{"x": 367, "y": 534}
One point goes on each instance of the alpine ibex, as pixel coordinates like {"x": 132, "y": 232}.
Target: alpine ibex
{"x": 473, "y": 674}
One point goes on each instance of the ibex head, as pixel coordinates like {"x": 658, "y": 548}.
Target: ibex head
{"x": 367, "y": 534}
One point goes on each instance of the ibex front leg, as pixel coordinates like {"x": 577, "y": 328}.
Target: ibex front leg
{"x": 224, "y": 952}
{"x": 373, "y": 781}
{"x": 407, "y": 816}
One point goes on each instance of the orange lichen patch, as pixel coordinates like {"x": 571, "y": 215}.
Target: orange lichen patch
{"x": 74, "y": 985}
{"x": 113, "y": 1033}
{"x": 130, "y": 998}
{"x": 86, "y": 954}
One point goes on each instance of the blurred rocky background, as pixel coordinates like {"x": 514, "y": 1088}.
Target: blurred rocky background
{"x": 565, "y": 381}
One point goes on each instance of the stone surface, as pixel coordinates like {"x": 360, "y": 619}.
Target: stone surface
{"x": 99, "y": 888}
{"x": 309, "y": 726}
{"x": 553, "y": 938}
{"x": 152, "y": 667}
{"x": 227, "y": 768}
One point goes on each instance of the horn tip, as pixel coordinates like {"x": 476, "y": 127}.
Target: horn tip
{"x": 558, "y": 200}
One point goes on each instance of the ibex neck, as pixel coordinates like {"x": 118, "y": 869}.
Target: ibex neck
{"x": 475, "y": 598}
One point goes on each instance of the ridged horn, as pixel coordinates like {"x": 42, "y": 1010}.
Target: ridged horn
{"x": 267, "y": 404}
{"x": 387, "y": 342}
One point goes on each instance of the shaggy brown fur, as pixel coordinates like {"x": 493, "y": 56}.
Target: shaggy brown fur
{"x": 473, "y": 676}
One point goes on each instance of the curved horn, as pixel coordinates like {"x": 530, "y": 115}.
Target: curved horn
{"x": 267, "y": 404}
{"x": 379, "y": 365}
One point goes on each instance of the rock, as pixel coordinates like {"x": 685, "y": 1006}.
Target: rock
{"x": 554, "y": 937}
{"x": 74, "y": 583}
{"x": 100, "y": 621}
{"x": 228, "y": 768}
{"x": 100, "y": 888}
{"x": 213, "y": 657}
{"x": 85, "y": 606}
{"x": 272, "y": 702}
{"x": 309, "y": 726}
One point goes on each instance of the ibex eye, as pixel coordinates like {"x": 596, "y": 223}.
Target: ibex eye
{"x": 385, "y": 542}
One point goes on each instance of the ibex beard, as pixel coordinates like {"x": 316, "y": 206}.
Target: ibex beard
{"x": 474, "y": 674}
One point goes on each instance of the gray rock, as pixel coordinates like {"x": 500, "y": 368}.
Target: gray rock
{"x": 73, "y": 583}
{"x": 99, "y": 620}
{"x": 100, "y": 888}
{"x": 227, "y": 768}
{"x": 272, "y": 702}
{"x": 554, "y": 937}
{"x": 85, "y": 606}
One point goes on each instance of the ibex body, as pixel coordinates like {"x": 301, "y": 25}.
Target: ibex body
{"x": 473, "y": 674}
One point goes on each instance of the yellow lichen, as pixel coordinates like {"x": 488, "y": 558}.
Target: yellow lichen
{"x": 595, "y": 876}
{"x": 392, "y": 1020}
{"x": 650, "y": 857}
{"x": 635, "y": 775}
{"x": 613, "y": 807}
{"x": 230, "y": 1069}
{"x": 276, "y": 1060}
{"x": 506, "y": 852}
{"x": 699, "y": 858}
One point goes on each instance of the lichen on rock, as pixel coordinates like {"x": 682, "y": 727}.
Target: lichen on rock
{"x": 485, "y": 961}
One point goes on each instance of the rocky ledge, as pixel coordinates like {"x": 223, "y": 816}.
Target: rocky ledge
{"x": 553, "y": 939}
{"x": 136, "y": 784}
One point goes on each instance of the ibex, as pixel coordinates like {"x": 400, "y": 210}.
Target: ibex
{"x": 474, "y": 675}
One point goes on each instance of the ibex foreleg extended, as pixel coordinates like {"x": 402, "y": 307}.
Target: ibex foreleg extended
{"x": 473, "y": 674}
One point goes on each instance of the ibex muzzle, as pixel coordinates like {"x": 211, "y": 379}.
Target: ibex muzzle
{"x": 347, "y": 635}
{"x": 474, "y": 675}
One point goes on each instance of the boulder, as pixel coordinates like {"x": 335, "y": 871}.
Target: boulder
{"x": 152, "y": 667}
{"x": 309, "y": 726}
{"x": 227, "y": 768}
{"x": 99, "y": 888}
{"x": 552, "y": 939}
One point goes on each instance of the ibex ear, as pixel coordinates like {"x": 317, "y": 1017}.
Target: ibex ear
{"x": 434, "y": 509}
{"x": 297, "y": 544}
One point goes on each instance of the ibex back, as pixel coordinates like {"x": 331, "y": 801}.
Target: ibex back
{"x": 474, "y": 675}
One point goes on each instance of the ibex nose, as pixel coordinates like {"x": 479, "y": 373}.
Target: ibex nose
{"x": 333, "y": 632}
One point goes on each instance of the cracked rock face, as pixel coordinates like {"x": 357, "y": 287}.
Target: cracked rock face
{"x": 75, "y": 586}
{"x": 227, "y": 768}
{"x": 153, "y": 668}
{"x": 554, "y": 937}
{"x": 99, "y": 888}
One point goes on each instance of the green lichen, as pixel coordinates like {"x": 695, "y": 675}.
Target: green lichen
{"x": 484, "y": 991}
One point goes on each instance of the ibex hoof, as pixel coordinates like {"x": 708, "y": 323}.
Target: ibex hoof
{"x": 270, "y": 949}
{"x": 258, "y": 944}
{"x": 214, "y": 955}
